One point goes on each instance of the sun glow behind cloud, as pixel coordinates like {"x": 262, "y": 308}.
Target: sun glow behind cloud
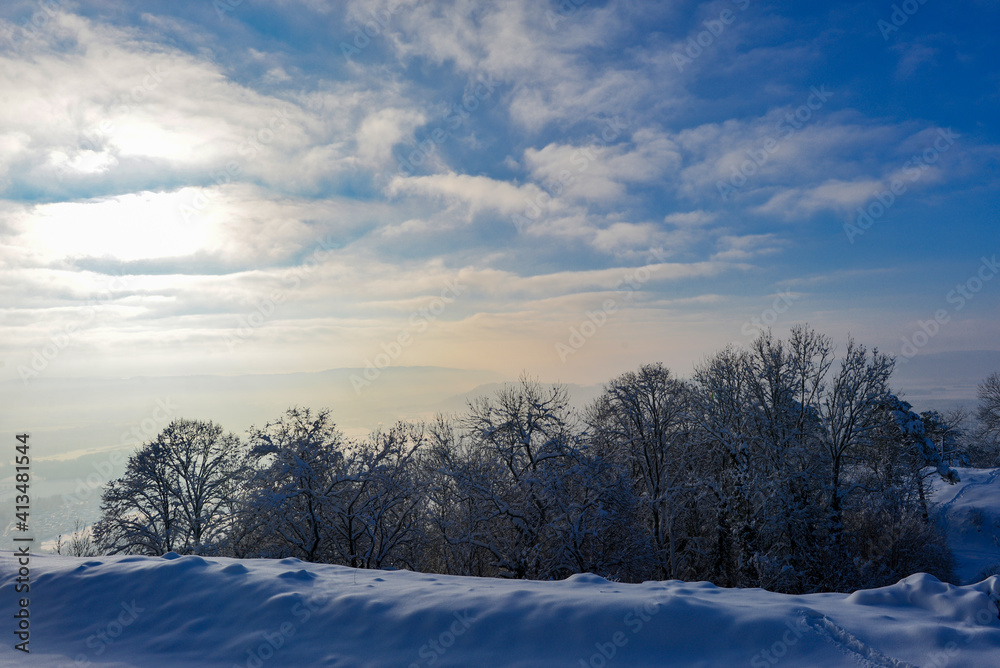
{"x": 135, "y": 226}
{"x": 542, "y": 162}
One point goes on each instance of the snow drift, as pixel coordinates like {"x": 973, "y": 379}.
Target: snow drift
{"x": 193, "y": 611}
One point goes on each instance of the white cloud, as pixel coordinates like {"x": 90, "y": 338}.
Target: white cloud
{"x": 911, "y": 57}
{"x": 690, "y": 218}
{"x": 383, "y": 129}
{"x": 601, "y": 172}
{"x": 212, "y": 229}
{"x": 13, "y": 148}
{"x": 127, "y": 227}
{"x": 839, "y": 196}
{"x": 761, "y": 154}
{"x": 120, "y": 110}
{"x": 518, "y": 42}
{"x": 115, "y": 143}
{"x": 625, "y": 235}
{"x": 746, "y": 247}
{"x": 478, "y": 192}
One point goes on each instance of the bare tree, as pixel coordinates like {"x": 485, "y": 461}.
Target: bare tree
{"x": 721, "y": 406}
{"x": 398, "y": 499}
{"x": 986, "y": 437}
{"x": 81, "y": 543}
{"x": 851, "y": 410}
{"x": 642, "y": 422}
{"x": 525, "y": 481}
{"x": 175, "y": 494}
{"x": 989, "y": 404}
{"x": 139, "y": 514}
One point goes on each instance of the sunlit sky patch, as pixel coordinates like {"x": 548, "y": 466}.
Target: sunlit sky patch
{"x": 489, "y": 177}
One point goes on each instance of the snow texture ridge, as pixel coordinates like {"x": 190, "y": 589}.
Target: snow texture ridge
{"x": 153, "y": 612}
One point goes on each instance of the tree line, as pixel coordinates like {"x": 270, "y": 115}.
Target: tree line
{"x": 778, "y": 466}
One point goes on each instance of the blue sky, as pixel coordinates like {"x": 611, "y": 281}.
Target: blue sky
{"x": 569, "y": 189}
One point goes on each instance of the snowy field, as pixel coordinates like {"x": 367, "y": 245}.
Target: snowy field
{"x": 190, "y": 611}
{"x": 147, "y": 612}
{"x": 971, "y": 513}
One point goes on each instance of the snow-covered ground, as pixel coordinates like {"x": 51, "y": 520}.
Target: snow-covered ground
{"x": 971, "y": 513}
{"x": 147, "y": 612}
{"x": 189, "y": 611}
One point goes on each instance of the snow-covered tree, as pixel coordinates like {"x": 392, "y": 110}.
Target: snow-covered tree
{"x": 642, "y": 423}
{"x": 888, "y": 529}
{"x": 757, "y": 414}
{"x": 176, "y": 493}
{"x": 800, "y": 452}
{"x": 986, "y": 435}
{"x": 298, "y": 458}
{"x": 947, "y": 434}
{"x": 850, "y": 412}
{"x": 529, "y": 497}
{"x": 320, "y": 497}
{"x": 781, "y": 465}
{"x": 378, "y": 501}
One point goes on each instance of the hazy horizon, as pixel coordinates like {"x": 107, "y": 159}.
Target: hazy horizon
{"x": 97, "y": 411}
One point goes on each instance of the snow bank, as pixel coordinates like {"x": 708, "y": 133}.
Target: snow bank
{"x": 970, "y": 511}
{"x": 191, "y": 611}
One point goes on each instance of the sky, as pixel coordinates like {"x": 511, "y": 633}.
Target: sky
{"x": 571, "y": 189}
